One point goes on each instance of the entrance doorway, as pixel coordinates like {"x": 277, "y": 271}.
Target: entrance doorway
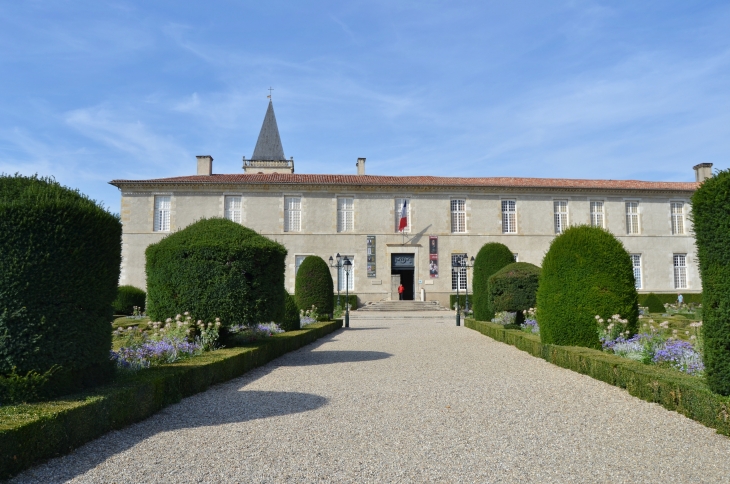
{"x": 403, "y": 265}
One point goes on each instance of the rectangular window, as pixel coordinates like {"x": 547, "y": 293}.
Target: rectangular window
{"x": 298, "y": 259}
{"x": 292, "y": 214}
{"x": 458, "y": 216}
{"x": 162, "y": 214}
{"x": 680, "y": 271}
{"x": 343, "y": 279}
{"x": 516, "y": 256}
{"x": 677, "y": 218}
{"x": 560, "y": 208}
{"x": 345, "y": 214}
{"x": 458, "y": 272}
{"x": 597, "y": 214}
{"x": 636, "y": 262}
{"x": 233, "y": 209}
{"x": 509, "y": 216}
{"x": 399, "y": 211}
{"x": 632, "y": 218}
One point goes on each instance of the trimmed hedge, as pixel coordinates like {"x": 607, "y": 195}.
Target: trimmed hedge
{"x": 353, "y": 301}
{"x": 32, "y": 433}
{"x": 513, "y": 288}
{"x": 586, "y": 272}
{"x": 290, "y": 321}
{"x": 216, "y": 268}
{"x": 675, "y": 391}
{"x": 127, "y": 298}
{"x": 60, "y": 255}
{"x": 653, "y": 304}
{"x": 313, "y": 286}
{"x": 711, "y": 217}
{"x": 671, "y": 298}
{"x": 491, "y": 258}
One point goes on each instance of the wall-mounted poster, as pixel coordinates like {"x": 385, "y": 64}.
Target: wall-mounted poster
{"x": 371, "y": 255}
{"x": 433, "y": 256}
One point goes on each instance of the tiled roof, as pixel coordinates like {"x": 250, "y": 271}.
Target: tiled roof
{"x": 415, "y": 181}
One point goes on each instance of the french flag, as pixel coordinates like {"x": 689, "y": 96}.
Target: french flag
{"x": 403, "y": 216}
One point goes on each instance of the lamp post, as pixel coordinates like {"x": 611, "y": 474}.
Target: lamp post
{"x": 338, "y": 266}
{"x": 347, "y": 265}
{"x": 468, "y": 264}
{"x": 457, "y": 265}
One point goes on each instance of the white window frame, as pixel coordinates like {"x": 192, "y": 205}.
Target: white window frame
{"x": 680, "y": 271}
{"x": 345, "y": 214}
{"x": 458, "y": 276}
{"x": 293, "y": 213}
{"x": 516, "y": 256}
{"x": 458, "y": 215}
{"x": 636, "y": 263}
{"x": 509, "y": 215}
{"x": 398, "y": 208}
{"x": 633, "y": 224}
{"x": 676, "y": 210}
{"x": 341, "y": 276}
{"x": 163, "y": 207}
{"x": 560, "y": 215}
{"x": 298, "y": 259}
{"x": 598, "y": 214}
{"x": 233, "y": 208}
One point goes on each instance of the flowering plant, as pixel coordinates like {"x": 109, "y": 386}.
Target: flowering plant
{"x": 504, "y": 317}
{"x": 530, "y": 325}
{"x": 249, "y": 334}
{"x": 310, "y": 316}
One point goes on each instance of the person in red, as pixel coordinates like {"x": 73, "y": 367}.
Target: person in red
{"x": 400, "y": 291}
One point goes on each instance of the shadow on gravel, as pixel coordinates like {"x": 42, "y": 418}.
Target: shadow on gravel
{"x": 223, "y": 404}
{"x": 366, "y": 329}
{"x": 325, "y": 357}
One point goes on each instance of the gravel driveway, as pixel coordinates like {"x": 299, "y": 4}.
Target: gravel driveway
{"x": 407, "y": 400}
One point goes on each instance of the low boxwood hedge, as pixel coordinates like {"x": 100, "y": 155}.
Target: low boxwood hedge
{"x": 676, "y": 391}
{"x": 34, "y": 432}
{"x": 352, "y": 298}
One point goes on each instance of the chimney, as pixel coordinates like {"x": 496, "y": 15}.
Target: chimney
{"x": 361, "y": 166}
{"x": 703, "y": 171}
{"x": 205, "y": 165}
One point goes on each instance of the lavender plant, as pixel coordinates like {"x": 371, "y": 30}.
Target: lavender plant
{"x": 249, "y": 334}
{"x": 530, "y": 325}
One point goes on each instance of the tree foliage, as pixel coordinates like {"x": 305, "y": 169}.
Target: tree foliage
{"x": 513, "y": 288}
{"x": 491, "y": 257}
{"x": 313, "y": 286}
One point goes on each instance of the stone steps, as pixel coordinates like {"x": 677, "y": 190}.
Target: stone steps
{"x": 412, "y": 306}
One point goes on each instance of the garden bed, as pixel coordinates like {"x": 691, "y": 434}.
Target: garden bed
{"x": 33, "y": 432}
{"x": 672, "y": 389}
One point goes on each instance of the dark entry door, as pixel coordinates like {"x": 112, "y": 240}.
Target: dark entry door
{"x": 404, "y": 265}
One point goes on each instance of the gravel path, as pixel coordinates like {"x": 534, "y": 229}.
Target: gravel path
{"x": 404, "y": 401}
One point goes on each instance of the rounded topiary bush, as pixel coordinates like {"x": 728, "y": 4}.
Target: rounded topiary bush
{"x": 290, "y": 321}
{"x": 216, "y": 268}
{"x": 586, "y": 272}
{"x": 513, "y": 288}
{"x": 127, "y": 298}
{"x": 314, "y": 287}
{"x": 654, "y": 304}
{"x": 491, "y": 258}
{"x": 60, "y": 255}
{"x": 711, "y": 218}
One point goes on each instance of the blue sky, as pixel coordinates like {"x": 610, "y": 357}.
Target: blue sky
{"x": 91, "y": 91}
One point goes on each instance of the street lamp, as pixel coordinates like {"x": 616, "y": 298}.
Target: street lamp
{"x": 338, "y": 266}
{"x": 347, "y": 265}
{"x": 468, "y": 264}
{"x": 456, "y": 265}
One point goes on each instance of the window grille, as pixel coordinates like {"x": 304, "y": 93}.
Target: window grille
{"x": 298, "y": 259}
{"x": 162, "y": 214}
{"x": 458, "y": 271}
{"x": 398, "y": 209}
{"x": 680, "y": 271}
{"x": 509, "y": 216}
{"x": 677, "y": 218}
{"x": 636, "y": 262}
{"x": 233, "y": 209}
{"x": 632, "y": 217}
{"x": 561, "y": 215}
{"x": 458, "y": 216}
{"x": 597, "y": 214}
{"x": 292, "y": 214}
{"x": 343, "y": 278}
{"x": 345, "y": 214}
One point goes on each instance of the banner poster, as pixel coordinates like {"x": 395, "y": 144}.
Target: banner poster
{"x": 433, "y": 256}
{"x": 371, "y": 255}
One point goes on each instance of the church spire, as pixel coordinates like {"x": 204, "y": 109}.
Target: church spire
{"x": 268, "y": 146}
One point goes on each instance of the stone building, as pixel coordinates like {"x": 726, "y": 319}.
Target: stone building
{"x": 447, "y": 220}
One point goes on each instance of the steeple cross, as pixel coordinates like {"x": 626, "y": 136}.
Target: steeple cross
{"x": 270, "y": 89}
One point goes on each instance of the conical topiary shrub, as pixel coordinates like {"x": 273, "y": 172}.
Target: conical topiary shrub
{"x": 314, "y": 287}
{"x": 653, "y": 303}
{"x": 513, "y": 288}
{"x": 586, "y": 272}
{"x": 290, "y": 320}
{"x": 491, "y": 258}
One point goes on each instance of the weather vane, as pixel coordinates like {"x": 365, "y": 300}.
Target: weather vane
{"x": 270, "y": 89}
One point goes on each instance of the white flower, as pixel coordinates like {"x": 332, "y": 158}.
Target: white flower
{"x": 598, "y": 317}
{"x": 186, "y": 313}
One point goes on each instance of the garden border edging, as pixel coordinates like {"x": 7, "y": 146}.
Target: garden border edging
{"x": 673, "y": 390}
{"x": 44, "y": 430}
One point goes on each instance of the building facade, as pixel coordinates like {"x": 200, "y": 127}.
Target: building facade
{"x": 447, "y": 220}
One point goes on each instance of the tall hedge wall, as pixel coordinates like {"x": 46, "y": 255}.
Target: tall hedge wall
{"x": 586, "y": 272}
{"x": 216, "y": 268}
{"x": 711, "y": 217}
{"x": 653, "y": 303}
{"x": 514, "y": 288}
{"x": 313, "y": 286}
{"x": 60, "y": 255}
{"x": 491, "y": 258}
